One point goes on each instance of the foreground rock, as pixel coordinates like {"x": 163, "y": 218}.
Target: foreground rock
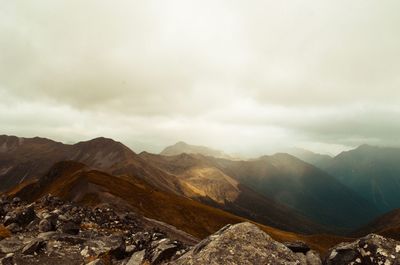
{"x": 241, "y": 244}
{"x": 372, "y": 249}
{"x": 51, "y": 231}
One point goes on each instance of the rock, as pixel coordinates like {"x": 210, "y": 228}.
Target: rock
{"x": 14, "y": 228}
{"x": 117, "y": 246}
{"x": 112, "y": 246}
{"x": 22, "y": 216}
{"x": 372, "y": 249}
{"x": 242, "y": 244}
{"x": 313, "y": 258}
{"x": 16, "y": 200}
{"x": 10, "y": 245}
{"x": 297, "y": 247}
{"x": 164, "y": 250}
{"x": 48, "y": 235}
{"x": 34, "y": 246}
{"x": 46, "y": 225}
{"x": 137, "y": 258}
{"x": 8, "y": 259}
{"x": 70, "y": 228}
{"x": 130, "y": 249}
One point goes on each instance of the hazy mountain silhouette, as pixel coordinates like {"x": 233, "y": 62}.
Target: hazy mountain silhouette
{"x": 182, "y": 147}
{"x": 374, "y": 172}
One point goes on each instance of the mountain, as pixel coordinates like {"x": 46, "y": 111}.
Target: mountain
{"x": 318, "y": 160}
{"x": 182, "y": 147}
{"x": 387, "y": 225}
{"x": 25, "y": 160}
{"x": 77, "y": 182}
{"x": 205, "y": 182}
{"x": 300, "y": 185}
{"x": 373, "y": 172}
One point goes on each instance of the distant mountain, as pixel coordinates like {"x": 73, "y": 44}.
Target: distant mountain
{"x": 374, "y": 172}
{"x": 387, "y": 225}
{"x": 182, "y": 147}
{"x": 304, "y": 187}
{"x": 204, "y": 181}
{"x": 318, "y": 160}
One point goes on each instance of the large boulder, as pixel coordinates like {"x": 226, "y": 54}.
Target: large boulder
{"x": 242, "y": 244}
{"x": 372, "y": 249}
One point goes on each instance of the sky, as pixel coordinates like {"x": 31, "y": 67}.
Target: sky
{"x": 248, "y": 77}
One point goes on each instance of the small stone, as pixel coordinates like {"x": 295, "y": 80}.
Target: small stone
{"x": 14, "y": 228}
{"x": 16, "y": 200}
{"x": 45, "y": 225}
{"x": 34, "y": 246}
{"x": 70, "y": 228}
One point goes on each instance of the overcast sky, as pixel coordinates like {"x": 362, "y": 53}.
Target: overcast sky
{"x": 248, "y": 77}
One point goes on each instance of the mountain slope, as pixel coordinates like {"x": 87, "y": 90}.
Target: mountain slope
{"x": 374, "y": 172}
{"x": 182, "y": 147}
{"x": 78, "y": 182}
{"x": 387, "y": 225}
{"x": 205, "y": 182}
{"x": 304, "y": 187}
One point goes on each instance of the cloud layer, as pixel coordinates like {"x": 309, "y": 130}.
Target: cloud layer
{"x": 248, "y": 77}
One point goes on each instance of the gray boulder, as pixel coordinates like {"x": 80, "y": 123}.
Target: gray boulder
{"x": 372, "y": 249}
{"x": 243, "y": 244}
{"x": 137, "y": 258}
{"x": 163, "y": 250}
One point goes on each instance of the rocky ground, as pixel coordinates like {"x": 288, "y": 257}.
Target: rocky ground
{"x": 51, "y": 231}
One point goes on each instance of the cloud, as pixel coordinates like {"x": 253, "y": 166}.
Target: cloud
{"x": 246, "y": 77}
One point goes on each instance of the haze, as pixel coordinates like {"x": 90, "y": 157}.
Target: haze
{"x": 248, "y": 77}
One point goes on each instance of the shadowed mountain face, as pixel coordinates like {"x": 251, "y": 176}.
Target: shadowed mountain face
{"x": 182, "y": 147}
{"x": 205, "y": 181}
{"x": 374, "y": 172}
{"x": 293, "y": 182}
{"x": 387, "y": 225}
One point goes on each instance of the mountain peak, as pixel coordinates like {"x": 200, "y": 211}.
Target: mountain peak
{"x": 182, "y": 147}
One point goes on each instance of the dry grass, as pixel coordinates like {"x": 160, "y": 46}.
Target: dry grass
{"x": 4, "y": 232}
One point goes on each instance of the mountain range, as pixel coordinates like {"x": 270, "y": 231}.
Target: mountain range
{"x": 372, "y": 171}
{"x": 199, "y": 191}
